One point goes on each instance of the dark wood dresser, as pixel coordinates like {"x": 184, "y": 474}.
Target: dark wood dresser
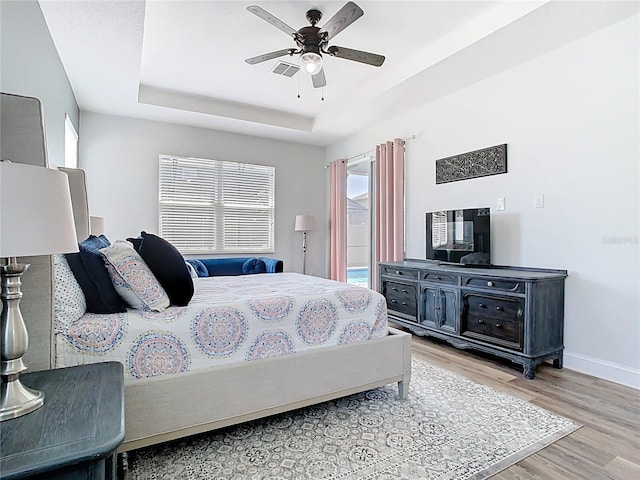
{"x": 512, "y": 312}
{"x": 75, "y": 434}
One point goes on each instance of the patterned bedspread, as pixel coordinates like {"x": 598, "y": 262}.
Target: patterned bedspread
{"x": 229, "y": 319}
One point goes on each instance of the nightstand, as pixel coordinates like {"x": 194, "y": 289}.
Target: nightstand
{"x": 75, "y": 434}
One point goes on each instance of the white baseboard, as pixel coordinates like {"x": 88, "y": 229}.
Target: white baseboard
{"x": 603, "y": 369}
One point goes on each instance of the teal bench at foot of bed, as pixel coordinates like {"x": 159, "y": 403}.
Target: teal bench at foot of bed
{"x": 213, "y": 267}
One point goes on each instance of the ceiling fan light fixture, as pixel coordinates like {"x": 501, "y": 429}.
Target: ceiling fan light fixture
{"x": 311, "y": 62}
{"x": 312, "y": 41}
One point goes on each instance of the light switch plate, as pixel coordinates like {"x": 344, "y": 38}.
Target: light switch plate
{"x": 538, "y": 201}
{"x": 500, "y": 204}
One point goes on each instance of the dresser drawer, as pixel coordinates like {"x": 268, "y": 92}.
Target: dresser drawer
{"x": 501, "y": 284}
{"x": 498, "y": 320}
{"x": 401, "y": 298}
{"x": 437, "y": 277}
{"x": 399, "y": 272}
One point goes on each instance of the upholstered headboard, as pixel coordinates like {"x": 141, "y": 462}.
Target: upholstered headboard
{"x": 79, "y": 200}
{"x": 23, "y": 141}
{"x": 22, "y": 137}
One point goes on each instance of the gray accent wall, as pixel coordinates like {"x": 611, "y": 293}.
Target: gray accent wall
{"x": 30, "y": 66}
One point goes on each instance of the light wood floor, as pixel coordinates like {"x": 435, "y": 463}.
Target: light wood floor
{"x": 606, "y": 447}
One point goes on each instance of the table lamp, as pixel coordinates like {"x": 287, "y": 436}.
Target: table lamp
{"x": 35, "y": 219}
{"x": 304, "y": 224}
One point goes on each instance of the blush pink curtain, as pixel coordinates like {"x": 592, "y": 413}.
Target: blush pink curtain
{"x": 338, "y": 220}
{"x": 389, "y": 204}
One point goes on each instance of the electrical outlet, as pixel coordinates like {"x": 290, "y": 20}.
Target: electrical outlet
{"x": 500, "y": 204}
{"x": 538, "y": 201}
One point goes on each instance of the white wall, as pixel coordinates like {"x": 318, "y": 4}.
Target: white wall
{"x": 571, "y": 122}
{"x": 30, "y": 66}
{"x": 120, "y": 156}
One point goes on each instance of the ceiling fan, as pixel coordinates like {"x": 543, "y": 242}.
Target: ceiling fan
{"x": 313, "y": 41}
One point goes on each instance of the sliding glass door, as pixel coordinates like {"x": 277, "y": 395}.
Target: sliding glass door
{"x": 359, "y": 203}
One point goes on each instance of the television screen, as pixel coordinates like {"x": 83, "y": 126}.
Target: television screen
{"x": 459, "y": 236}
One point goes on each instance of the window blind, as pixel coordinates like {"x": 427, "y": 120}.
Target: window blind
{"x": 214, "y": 206}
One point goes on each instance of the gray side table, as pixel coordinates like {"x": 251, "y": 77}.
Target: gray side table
{"x": 75, "y": 434}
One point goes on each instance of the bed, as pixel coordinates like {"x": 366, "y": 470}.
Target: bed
{"x": 159, "y": 408}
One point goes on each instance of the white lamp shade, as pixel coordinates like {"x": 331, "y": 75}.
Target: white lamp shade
{"x": 36, "y": 216}
{"x": 96, "y": 225}
{"x": 305, "y": 223}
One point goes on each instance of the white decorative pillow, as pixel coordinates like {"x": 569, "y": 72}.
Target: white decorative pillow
{"x": 132, "y": 278}
{"x": 69, "y": 303}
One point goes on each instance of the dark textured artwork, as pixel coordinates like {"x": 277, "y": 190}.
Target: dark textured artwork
{"x": 479, "y": 163}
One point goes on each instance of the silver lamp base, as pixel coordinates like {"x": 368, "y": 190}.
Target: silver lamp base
{"x": 304, "y": 252}
{"x": 15, "y": 399}
{"x": 18, "y": 400}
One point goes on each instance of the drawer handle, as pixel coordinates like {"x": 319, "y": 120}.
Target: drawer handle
{"x": 404, "y": 303}
{"x": 405, "y": 291}
{"x": 480, "y": 321}
{"x": 393, "y": 300}
{"x": 438, "y": 278}
{"x": 398, "y": 272}
{"x": 499, "y": 308}
{"x": 394, "y": 289}
{"x": 490, "y": 284}
{"x": 481, "y": 305}
{"x": 498, "y": 325}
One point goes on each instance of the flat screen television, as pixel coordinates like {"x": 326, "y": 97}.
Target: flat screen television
{"x": 459, "y": 236}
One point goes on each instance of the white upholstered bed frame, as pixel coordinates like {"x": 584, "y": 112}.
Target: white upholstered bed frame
{"x": 167, "y": 407}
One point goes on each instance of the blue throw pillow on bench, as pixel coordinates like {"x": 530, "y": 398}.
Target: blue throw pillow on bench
{"x": 273, "y": 265}
{"x": 253, "y": 265}
{"x": 200, "y": 267}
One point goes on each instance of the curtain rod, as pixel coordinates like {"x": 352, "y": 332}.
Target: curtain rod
{"x": 411, "y": 137}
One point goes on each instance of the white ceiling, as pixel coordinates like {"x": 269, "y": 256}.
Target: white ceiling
{"x": 183, "y": 61}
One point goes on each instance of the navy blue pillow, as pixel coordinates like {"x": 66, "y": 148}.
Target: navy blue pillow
{"x": 254, "y": 265}
{"x": 167, "y": 265}
{"x": 88, "y": 267}
{"x": 200, "y": 267}
{"x": 136, "y": 242}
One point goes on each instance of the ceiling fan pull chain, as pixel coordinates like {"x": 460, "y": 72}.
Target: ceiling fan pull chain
{"x": 323, "y": 94}
{"x": 298, "y": 77}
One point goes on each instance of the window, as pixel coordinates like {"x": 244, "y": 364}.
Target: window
{"x": 70, "y": 143}
{"x": 213, "y": 206}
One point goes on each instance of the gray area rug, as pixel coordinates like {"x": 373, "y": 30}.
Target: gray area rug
{"x": 450, "y": 428}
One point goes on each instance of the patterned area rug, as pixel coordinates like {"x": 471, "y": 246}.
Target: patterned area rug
{"x": 450, "y": 428}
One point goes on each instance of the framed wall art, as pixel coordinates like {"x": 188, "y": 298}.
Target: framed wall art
{"x": 479, "y": 163}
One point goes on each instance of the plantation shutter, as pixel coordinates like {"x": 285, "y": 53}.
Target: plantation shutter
{"x": 212, "y": 206}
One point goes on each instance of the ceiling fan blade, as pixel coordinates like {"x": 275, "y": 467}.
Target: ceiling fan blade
{"x": 341, "y": 20}
{"x": 268, "y": 56}
{"x": 357, "y": 55}
{"x": 319, "y": 80}
{"x": 276, "y": 22}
